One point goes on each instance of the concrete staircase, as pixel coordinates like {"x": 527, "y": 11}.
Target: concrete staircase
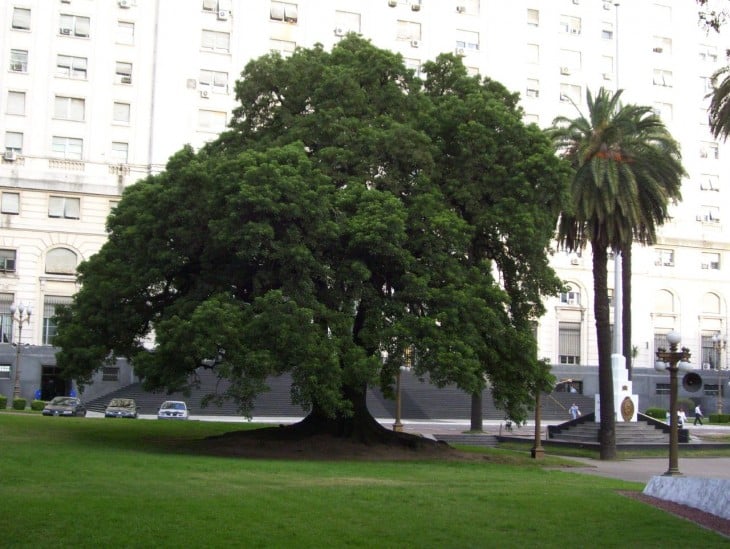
{"x": 420, "y": 400}
{"x": 646, "y": 431}
{"x": 481, "y": 440}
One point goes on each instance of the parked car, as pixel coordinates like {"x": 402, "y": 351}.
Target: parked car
{"x": 65, "y": 406}
{"x": 121, "y": 407}
{"x": 173, "y": 409}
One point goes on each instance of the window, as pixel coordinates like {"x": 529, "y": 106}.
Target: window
{"x": 120, "y": 152}
{"x": 110, "y": 373}
{"x": 711, "y": 389}
{"x": 346, "y": 21}
{"x": 467, "y": 39}
{"x": 569, "y": 343}
{"x": 532, "y": 119}
{"x": 709, "y": 214}
{"x": 662, "y": 45}
{"x": 571, "y": 297}
{"x": 711, "y": 261}
{"x": 71, "y": 67}
{"x": 282, "y": 11}
{"x": 706, "y": 84}
{"x": 663, "y": 257}
{"x": 123, "y": 73}
{"x": 283, "y": 47}
{"x": 214, "y": 121}
{"x": 50, "y": 302}
{"x": 607, "y": 30}
{"x": 663, "y": 389}
{"x": 708, "y": 352}
{"x": 21, "y": 19}
{"x": 216, "y": 81}
{"x": 414, "y": 65}
{"x": 64, "y": 206}
{"x": 661, "y": 16}
{"x": 216, "y": 41}
{"x": 570, "y": 24}
{"x": 125, "y": 32}
{"x": 210, "y": 5}
{"x": 16, "y": 102}
{"x": 533, "y": 88}
{"x": 7, "y": 261}
{"x": 69, "y": 108}
{"x": 10, "y": 203}
{"x": 6, "y": 318}
{"x": 61, "y": 261}
{"x": 468, "y": 7}
{"x": 708, "y": 54}
{"x": 607, "y": 65}
{"x": 19, "y": 60}
{"x": 709, "y": 182}
{"x": 121, "y": 112}
{"x": 570, "y": 92}
{"x": 408, "y": 30}
{"x": 665, "y": 111}
{"x": 70, "y": 148}
{"x": 74, "y": 25}
{"x": 664, "y": 303}
{"x": 14, "y": 142}
{"x": 709, "y": 149}
{"x": 662, "y": 78}
{"x": 533, "y": 18}
{"x": 570, "y": 60}
{"x": 533, "y": 54}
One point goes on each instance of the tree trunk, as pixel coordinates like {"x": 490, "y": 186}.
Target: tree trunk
{"x": 477, "y": 422}
{"x": 607, "y": 431}
{"x": 626, "y": 307}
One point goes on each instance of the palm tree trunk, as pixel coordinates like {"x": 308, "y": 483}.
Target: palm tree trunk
{"x": 626, "y": 306}
{"x": 607, "y": 430}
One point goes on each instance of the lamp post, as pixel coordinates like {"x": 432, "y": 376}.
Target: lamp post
{"x": 719, "y": 342}
{"x": 21, "y": 314}
{"x": 673, "y": 361}
{"x": 398, "y": 426}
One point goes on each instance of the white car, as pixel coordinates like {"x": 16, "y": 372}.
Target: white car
{"x": 173, "y": 409}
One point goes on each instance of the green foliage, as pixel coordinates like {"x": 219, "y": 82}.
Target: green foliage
{"x": 37, "y": 405}
{"x": 19, "y": 403}
{"x": 351, "y": 214}
{"x": 719, "y": 418}
{"x": 3, "y": 402}
{"x": 686, "y": 404}
{"x": 656, "y": 413}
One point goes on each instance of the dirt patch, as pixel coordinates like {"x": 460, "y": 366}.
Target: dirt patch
{"x": 278, "y": 443}
{"x": 704, "y": 519}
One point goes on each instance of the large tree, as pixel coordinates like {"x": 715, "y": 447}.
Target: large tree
{"x": 627, "y": 172}
{"x": 326, "y": 235}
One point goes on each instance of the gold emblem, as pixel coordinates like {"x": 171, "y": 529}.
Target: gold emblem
{"x": 627, "y": 409}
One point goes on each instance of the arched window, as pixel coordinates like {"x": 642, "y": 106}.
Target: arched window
{"x": 711, "y": 304}
{"x": 664, "y": 302}
{"x": 61, "y": 261}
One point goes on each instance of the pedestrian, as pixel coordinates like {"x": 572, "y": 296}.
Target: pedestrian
{"x": 574, "y": 411}
{"x": 698, "y": 415}
{"x": 682, "y": 416}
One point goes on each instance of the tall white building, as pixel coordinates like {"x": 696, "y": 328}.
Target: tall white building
{"x": 96, "y": 94}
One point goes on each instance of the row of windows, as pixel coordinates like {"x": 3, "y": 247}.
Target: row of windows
{"x": 49, "y": 327}
{"x": 64, "y": 207}
{"x": 664, "y": 257}
{"x": 59, "y": 261}
{"x": 72, "y": 25}
{"x": 68, "y": 148}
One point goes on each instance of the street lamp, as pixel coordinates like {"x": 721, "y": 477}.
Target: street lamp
{"x": 719, "y": 343}
{"x": 20, "y": 314}
{"x": 398, "y": 426}
{"x": 673, "y": 360}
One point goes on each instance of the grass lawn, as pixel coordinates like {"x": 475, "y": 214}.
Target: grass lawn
{"x": 73, "y": 482}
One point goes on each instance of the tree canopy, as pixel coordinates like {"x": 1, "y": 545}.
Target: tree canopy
{"x": 351, "y": 215}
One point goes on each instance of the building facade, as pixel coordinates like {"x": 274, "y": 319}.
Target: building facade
{"x": 96, "y": 95}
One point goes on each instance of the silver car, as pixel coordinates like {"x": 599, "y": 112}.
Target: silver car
{"x": 173, "y": 409}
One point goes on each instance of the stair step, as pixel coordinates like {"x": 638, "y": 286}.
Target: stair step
{"x": 489, "y": 441}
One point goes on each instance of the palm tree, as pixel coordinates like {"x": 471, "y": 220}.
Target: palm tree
{"x": 719, "y": 110}
{"x": 626, "y": 171}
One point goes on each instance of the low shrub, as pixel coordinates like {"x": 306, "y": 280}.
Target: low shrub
{"x": 719, "y": 418}
{"x": 37, "y": 405}
{"x": 3, "y": 402}
{"x": 19, "y": 404}
{"x": 657, "y": 413}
